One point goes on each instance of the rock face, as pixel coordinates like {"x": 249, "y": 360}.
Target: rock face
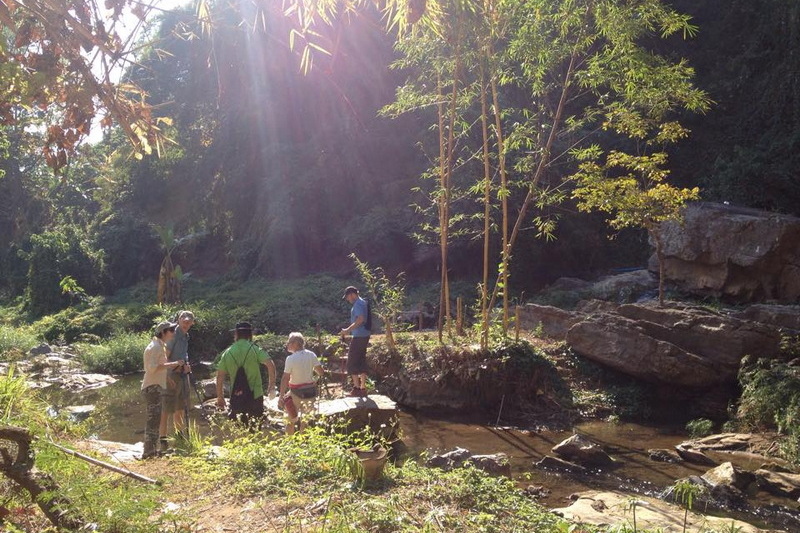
{"x": 581, "y": 450}
{"x": 676, "y": 345}
{"x": 782, "y": 316}
{"x": 743, "y": 255}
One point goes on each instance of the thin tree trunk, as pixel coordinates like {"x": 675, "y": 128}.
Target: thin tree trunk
{"x": 537, "y": 176}
{"x": 653, "y": 231}
{"x": 440, "y": 201}
{"x": 486, "y": 212}
{"x": 501, "y": 156}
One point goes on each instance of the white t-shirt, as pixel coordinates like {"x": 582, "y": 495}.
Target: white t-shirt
{"x": 300, "y": 367}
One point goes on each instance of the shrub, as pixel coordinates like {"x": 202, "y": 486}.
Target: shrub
{"x": 771, "y": 399}
{"x": 119, "y": 355}
{"x": 700, "y": 427}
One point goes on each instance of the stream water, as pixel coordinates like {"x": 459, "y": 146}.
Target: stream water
{"x": 121, "y": 410}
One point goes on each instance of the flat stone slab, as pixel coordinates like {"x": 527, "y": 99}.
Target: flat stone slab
{"x": 612, "y": 508}
{"x": 377, "y": 411}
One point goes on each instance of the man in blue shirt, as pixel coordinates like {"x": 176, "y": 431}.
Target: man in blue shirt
{"x": 357, "y": 353}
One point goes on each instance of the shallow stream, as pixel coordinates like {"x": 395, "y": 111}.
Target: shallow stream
{"x": 121, "y": 409}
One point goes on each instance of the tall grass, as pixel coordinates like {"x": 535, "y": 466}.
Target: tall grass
{"x": 119, "y": 355}
{"x": 15, "y": 341}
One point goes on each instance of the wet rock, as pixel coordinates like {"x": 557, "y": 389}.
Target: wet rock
{"x": 677, "y": 345}
{"x": 711, "y": 496}
{"x": 728, "y": 474}
{"x": 42, "y": 349}
{"x": 78, "y": 413}
{"x": 607, "y": 508}
{"x": 555, "y": 464}
{"x": 537, "y": 491}
{"x": 554, "y": 321}
{"x": 452, "y": 459}
{"x": 779, "y": 483}
{"x": 690, "y": 455}
{"x": 496, "y": 464}
{"x": 664, "y": 456}
{"x": 85, "y": 382}
{"x": 580, "y": 450}
{"x": 762, "y": 443}
{"x": 745, "y": 255}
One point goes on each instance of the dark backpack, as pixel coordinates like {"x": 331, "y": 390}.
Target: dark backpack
{"x": 368, "y": 320}
{"x": 242, "y": 398}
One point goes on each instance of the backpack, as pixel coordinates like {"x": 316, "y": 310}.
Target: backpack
{"x": 242, "y": 398}
{"x": 368, "y": 321}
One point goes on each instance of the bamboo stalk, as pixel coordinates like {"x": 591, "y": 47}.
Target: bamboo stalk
{"x": 516, "y": 323}
{"x": 459, "y": 317}
{"x": 97, "y": 462}
{"x": 486, "y": 212}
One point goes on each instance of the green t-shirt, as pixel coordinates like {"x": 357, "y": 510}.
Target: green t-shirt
{"x": 237, "y": 355}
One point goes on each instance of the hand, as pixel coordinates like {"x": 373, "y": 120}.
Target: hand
{"x": 187, "y": 368}
{"x": 220, "y": 402}
{"x": 281, "y": 403}
{"x": 272, "y": 394}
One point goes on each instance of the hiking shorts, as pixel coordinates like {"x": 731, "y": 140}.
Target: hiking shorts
{"x": 174, "y": 397}
{"x": 357, "y": 356}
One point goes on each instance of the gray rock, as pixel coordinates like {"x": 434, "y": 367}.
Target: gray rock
{"x": 42, "y": 349}
{"x": 744, "y": 255}
{"x": 555, "y": 464}
{"x": 691, "y": 455}
{"x": 782, "y": 316}
{"x": 728, "y": 474}
{"x": 626, "y": 287}
{"x": 452, "y": 459}
{"x": 496, "y": 464}
{"x": 554, "y": 321}
{"x": 580, "y": 450}
{"x": 78, "y": 413}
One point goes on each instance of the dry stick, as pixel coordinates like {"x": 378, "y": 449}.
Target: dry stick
{"x": 118, "y": 470}
{"x": 502, "y": 401}
{"x": 537, "y": 174}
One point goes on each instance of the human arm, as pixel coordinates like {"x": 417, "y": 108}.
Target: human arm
{"x": 271, "y": 371}
{"x": 360, "y": 319}
{"x": 220, "y": 388}
{"x": 285, "y": 383}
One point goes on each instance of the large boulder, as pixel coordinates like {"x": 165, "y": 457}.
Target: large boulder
{"x": 779, "y": 483}
{"x": 579, "y": 449}
{"x": 554, "y": 322}
{"x": 730, "y": 475}
{"x": 675, "y": 345}
{"x": 744, "y": 255}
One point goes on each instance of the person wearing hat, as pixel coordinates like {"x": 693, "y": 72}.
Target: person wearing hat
{"x": 177, "y": 394}
{"x": 243, "y": 353}
{"x": 154, "y": 382}
{"x": 357, "y": 352}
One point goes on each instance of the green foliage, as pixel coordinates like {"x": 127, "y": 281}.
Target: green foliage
{"x": 771, "y": 400}
{"x": 387, "y": 297}
{"x": 700, "y": 427}
{"x": 121, "y": 354}
{"x": 54, "y": 256}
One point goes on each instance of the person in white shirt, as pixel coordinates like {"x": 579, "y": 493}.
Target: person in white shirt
{"x": 154, "y": 383}
{"x": 298, "y": 382}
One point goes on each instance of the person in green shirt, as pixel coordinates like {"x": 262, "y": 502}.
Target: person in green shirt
{"x": 243, "y": 353}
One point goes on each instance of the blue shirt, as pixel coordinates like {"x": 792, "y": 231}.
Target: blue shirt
{"x": 359, "y": 310}
{"x": 178, "y": 346}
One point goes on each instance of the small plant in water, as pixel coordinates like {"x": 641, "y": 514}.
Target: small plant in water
{"x": 685, "y": 493}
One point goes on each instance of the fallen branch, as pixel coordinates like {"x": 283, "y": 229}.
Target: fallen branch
{"x": 108, "y": 466}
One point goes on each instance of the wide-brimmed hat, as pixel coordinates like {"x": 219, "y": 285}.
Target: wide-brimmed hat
{"x": 164, "y": 326}
{"x": 349, "y": 290}
{"x": 243, "y": 326}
